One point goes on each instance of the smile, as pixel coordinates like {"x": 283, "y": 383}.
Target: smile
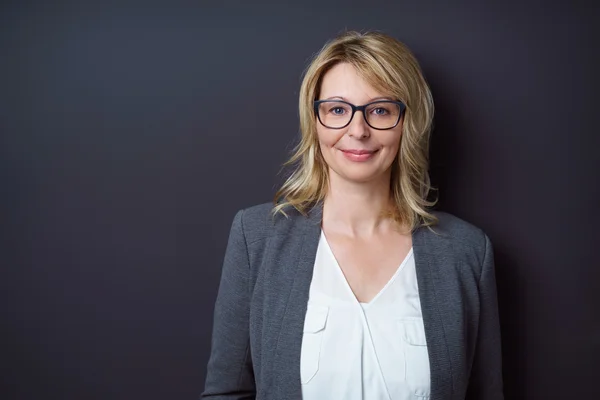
{"x": 358, "y": 155}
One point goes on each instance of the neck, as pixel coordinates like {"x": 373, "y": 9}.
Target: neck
{"x": 356, "y": 209}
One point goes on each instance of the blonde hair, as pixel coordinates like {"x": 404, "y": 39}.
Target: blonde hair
{"x": 390, "y": 67}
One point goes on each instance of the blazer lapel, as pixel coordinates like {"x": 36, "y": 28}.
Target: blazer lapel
{"x": 428, "y": 252}
{"x": 287, "y": 356}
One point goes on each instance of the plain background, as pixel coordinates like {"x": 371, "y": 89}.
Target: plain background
{"x": 131, "y": 133}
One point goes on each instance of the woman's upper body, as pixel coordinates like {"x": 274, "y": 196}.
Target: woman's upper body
{"x": 263, "y": 297}
{"x": 361, "y": 180}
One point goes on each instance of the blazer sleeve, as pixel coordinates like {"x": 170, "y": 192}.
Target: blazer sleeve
{"x": 485, "y": 382}
{"x": 229, "y": 372}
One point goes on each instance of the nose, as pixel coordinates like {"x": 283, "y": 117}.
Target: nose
{"x": 358, "y": 127}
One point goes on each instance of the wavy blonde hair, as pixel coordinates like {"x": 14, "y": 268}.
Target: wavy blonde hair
{"x": 390, "y": 67}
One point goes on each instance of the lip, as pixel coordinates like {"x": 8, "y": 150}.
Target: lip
{"x": 359, "y": 152}
{"x": 358, "y": 155}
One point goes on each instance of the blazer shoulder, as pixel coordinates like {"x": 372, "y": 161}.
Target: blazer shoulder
{"x": 260, "y": 222}
{"x": 460, "y": 232}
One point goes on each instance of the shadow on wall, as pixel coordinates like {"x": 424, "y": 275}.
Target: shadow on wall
{"x": 446, "y": 150}
{"x": 513, "y": 324}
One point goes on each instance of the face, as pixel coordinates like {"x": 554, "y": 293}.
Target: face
{"x": 356, "y": 153}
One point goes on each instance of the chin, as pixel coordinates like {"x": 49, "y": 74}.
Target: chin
{"x": 360, "y": 176}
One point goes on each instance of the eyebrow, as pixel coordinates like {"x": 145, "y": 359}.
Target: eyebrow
{"x": 371, "y": 100}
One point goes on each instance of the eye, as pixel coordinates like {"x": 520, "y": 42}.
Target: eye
{"x": 337, "y": 110}
{"x": 380, "y": 111}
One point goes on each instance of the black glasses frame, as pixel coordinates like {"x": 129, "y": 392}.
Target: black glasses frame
{"x": 362, "y": 108}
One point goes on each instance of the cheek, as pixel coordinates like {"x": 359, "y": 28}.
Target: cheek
{"x": 391, "y": 140}
{"x": 395, "y": 145}
{"x": 392, "y": 147}
{"x": 328, "y": 139}
{"x": 396, "y": 137}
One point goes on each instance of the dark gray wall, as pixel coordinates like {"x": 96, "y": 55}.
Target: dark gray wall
{"x": 130, "y": 134}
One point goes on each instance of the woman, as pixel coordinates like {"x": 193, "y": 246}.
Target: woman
{"x": 351, "y": 287}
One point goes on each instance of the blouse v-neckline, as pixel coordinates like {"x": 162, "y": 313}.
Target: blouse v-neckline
{"x": 346, "y": 284}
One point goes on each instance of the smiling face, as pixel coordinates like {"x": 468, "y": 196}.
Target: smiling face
{"x": 357, "y": 152}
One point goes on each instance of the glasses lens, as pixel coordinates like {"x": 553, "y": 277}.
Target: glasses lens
{"x": 334, "y": 114}
{"x": 382, "y": 115}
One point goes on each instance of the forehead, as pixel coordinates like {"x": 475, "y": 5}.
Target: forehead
{"x": 343, "y": 80}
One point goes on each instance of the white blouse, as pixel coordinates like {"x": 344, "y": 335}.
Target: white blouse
{"x": 356, "y": 351}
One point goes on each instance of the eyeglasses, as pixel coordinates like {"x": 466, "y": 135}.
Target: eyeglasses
{"x": 381, "y": 114}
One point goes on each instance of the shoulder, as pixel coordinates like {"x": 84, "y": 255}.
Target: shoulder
{"x": 457, "y": 229}
{"x": 260, "y": 222}
{"x": 463, "y": 238}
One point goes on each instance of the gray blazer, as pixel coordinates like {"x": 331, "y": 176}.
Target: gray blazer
{"x": 263, "y": 294}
